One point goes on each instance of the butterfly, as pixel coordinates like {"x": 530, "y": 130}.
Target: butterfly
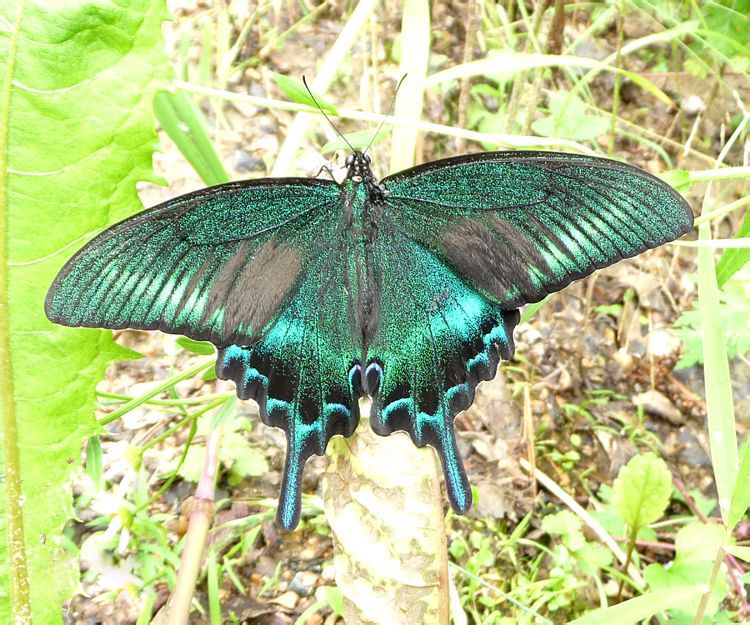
{"x": 406, "y": 289}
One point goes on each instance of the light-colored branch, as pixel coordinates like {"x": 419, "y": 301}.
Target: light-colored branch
{"x": 382, "y": 500}
{"x": 508, "y": 140}
{"x": 323, "y": 78}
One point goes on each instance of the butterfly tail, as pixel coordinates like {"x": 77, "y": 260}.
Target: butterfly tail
{"x": 404, "y": 409}
{"x": 284, "y": 401}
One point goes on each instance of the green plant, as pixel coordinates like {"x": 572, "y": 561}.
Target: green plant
{"x": 734, "y": 309}
{"x": 696, "y": 545}
{"x": 640, "y": 494}
{"x": 57, "y": 188}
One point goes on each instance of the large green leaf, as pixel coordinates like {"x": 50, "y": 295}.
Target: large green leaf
{"x": 76, "y": 134}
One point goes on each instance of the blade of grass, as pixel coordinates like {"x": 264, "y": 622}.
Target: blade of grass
{"x": 640, "y": 608}
{"x": 416, "y": 22}
{"x": 499, "y": 593}
{"x": 733, "y": 260}
{"x": 596, "y": 527}
{"x": 144, "y": 618}
{"x": 503, "y": 64}
{"x": 182, "y": 121}
{"x": 532, "y": 309}
{"x": 722, "y": 433}
{"x": 725, "y": 210}
{"x": 212, "y": 582}
{"x": 296, "y": 92}
{"x": 719, "y": 402}
{"x": 741, "y": 494}
{"x": 141, "y": 399}
{"x": 714, "y": 243}
{"x": 719, "y": 173}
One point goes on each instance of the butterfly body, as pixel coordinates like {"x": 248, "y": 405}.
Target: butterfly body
{"x": 405, "y": 289}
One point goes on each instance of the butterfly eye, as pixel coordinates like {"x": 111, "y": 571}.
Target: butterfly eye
{"x": 367, "y": 158}
{"x": 349, "y": 160}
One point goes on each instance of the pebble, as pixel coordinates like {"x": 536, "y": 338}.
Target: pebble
{"x": 287, "y": 600}
{"x": 328, "y": 573}
{"x": 303, "y": 583}
{"x": 244, "y": 162}
{"x": 692, "y": 105}
{"x": 659, "y": 404}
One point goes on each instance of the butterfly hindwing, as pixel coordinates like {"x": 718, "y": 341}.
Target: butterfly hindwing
{"x": 437, "y": 338}
{"x": 304, "y": 371}
{"x": 519, "y": 225}
{"x": 213, "y": 265}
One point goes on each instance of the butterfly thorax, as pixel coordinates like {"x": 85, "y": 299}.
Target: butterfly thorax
{"x": 358, "y": 165}
{"x": 361, "y": 197}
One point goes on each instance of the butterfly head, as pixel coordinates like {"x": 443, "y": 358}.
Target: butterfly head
{"x": 358, "y": 165}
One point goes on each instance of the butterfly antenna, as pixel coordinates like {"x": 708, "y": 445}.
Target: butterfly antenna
{"x": 328, "y": 119}
{"x": 390, "y": 109}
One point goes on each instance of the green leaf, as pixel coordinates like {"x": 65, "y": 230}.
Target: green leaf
{"x": 569, "y": 118}
{"x": 227, "y": 411}
{"x": 297, "y": 92}
{"x": 335, "y": 599}
{"x": 734, "y": 309}
{"x": 699, "y": 542}
{"x": 532, "y": 309}
{"x": 183, "y": 122}
{"x": 201, "y": 348}
{"x": 696, "y": 545}
{"x": 639, "y": 608}
{"x": 679, "y": 179}
{"x": 250, "y": 463}
{"x": 740, "y": 552}
{"x": 733, "y": 259}
{"x": 563, "y": 523}
{"x": 76, "y": 134}
{"x": 741, "y": 493}
{"x": 642, "y": 489}
{"x": 94, "y": 460}
{"x": 705, "y": 505}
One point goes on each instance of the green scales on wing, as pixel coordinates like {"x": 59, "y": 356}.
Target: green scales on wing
{"x": 406, "y": 290}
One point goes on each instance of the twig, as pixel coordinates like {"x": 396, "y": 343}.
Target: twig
{"x": 521, "y": 77}
{"x": 510, "y": 140}
{"x": 200, "y": 511}
{"x": 711, "y": 581}
{"x": 528, "y": 433}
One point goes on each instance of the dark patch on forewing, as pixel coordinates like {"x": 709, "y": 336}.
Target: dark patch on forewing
{"x": 252, "y": 289}
{"x": 493, "y": 254}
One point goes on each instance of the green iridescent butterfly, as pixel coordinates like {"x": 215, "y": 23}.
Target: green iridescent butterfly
{"x": 406, "y": 289}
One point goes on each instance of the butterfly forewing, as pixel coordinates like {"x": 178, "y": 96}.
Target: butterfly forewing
{"x": 518, "y": 226}
{"x": 214, "y": 265}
